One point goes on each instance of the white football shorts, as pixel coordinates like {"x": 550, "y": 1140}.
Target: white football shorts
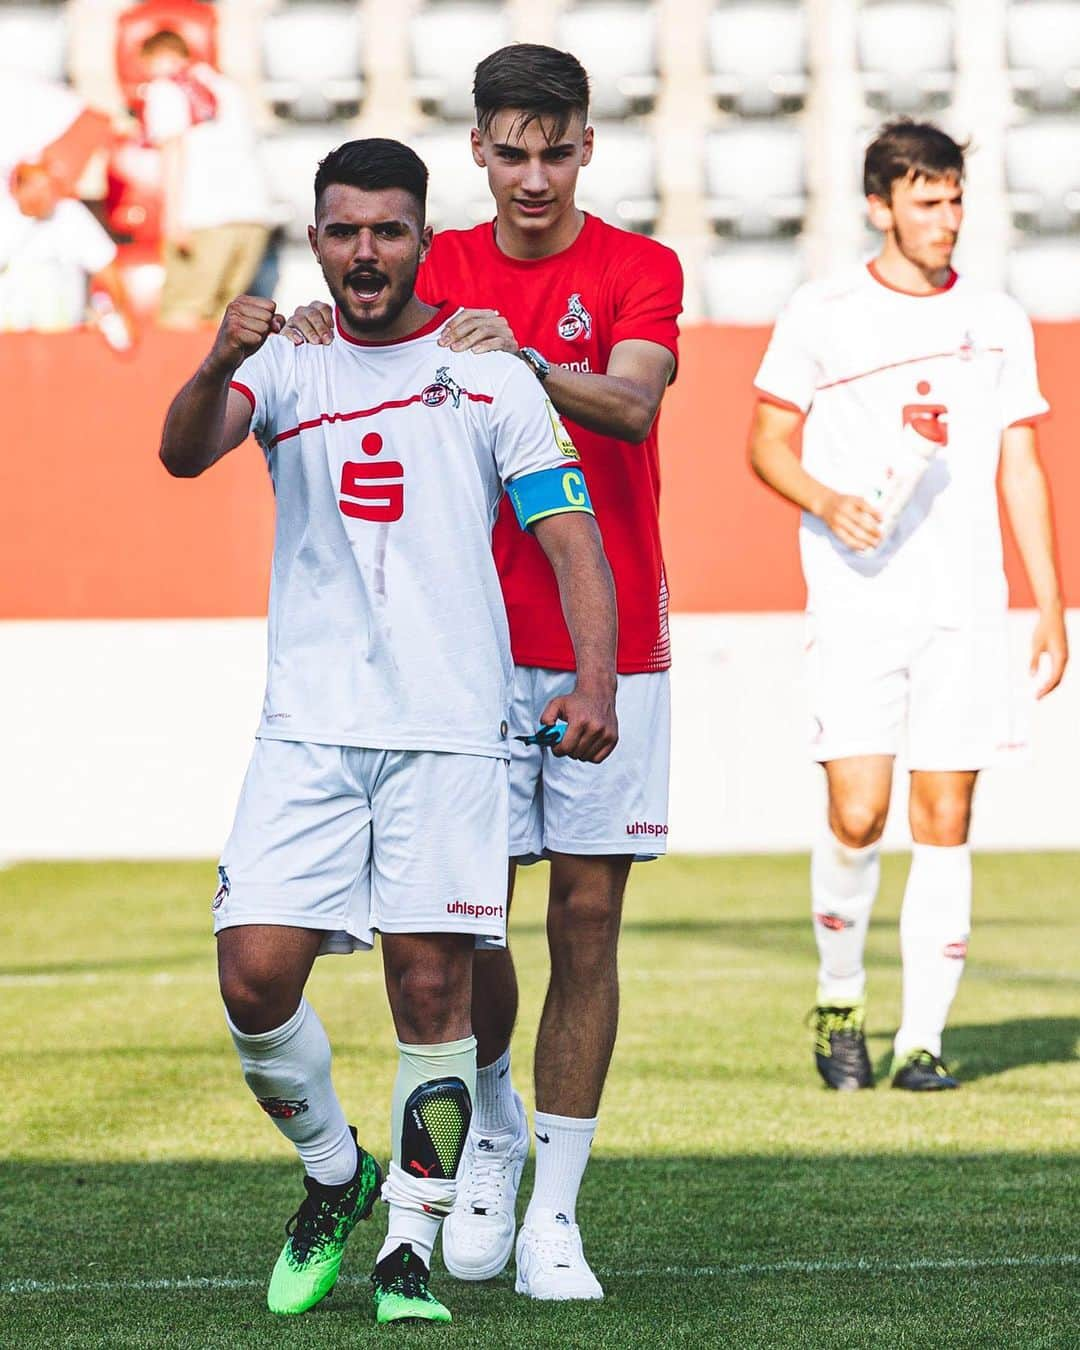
{"x": 568, "y": 806}
{"x": 359, "y": 841}
{"x": 941, "y": 697}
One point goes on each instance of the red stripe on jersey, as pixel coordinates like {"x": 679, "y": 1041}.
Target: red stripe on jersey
{"x": 366, "y": 412}
{"x": 243, "y": 389}
{"x": 893, "y": 365}
{"x": 765, "y": 397}
{"x": 1030, "y": 421}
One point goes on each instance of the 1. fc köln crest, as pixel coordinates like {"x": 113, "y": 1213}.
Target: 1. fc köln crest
{"x": 576, "y": 322}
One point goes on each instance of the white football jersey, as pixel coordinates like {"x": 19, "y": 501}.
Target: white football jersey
{"x": 386, "y": 620}
{"x": 863, "y": 360}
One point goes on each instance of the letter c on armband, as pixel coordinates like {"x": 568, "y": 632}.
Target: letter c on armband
{"x": 551, "y": 492}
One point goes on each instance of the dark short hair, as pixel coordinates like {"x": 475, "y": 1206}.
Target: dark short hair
{"x": 372, "y": 164}
{"x": 165, "y": 41}
{"x": 542, "y": 81}
{"x": 905, "y": 150}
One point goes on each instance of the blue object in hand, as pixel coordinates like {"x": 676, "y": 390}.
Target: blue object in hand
{"x": 545, "y": 736}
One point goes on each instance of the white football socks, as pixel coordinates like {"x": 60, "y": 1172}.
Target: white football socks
{"x": 935, "y": 923}
{"x": 418, "y": 1204}
{"x": 495, "y": 1111}
{"x": 562, "y": 1153}
{"x": 843, "y": 887}
{"x": 288, "y": 1069}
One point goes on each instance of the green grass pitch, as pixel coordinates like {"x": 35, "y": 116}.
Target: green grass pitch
{"x": 731, "y": 1200}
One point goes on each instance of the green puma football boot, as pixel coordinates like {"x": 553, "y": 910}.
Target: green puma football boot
{"x": 401, "y": 1289}
{"x": 307, "y": 1268}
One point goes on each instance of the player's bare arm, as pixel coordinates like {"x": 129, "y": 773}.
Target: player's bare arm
{"x": 1027, "y": 501}
{"x": 852, "y": 519}
{"x": 623, "y": 402}
{"x": 573, "y": 547}
{"x": 207, "y": 419}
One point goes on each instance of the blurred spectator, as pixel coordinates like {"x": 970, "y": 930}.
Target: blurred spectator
{"x": 51, "y": 250}
{"x": 46, "y": 123}
{"x": 216, "y": 207}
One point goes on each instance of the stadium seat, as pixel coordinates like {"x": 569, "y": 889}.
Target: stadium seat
{"x": 447, "y": 40}
{"x": 1045, "y": 279}
{"x": 1042, "y": 173}
{"x": 620, "y": 182}
{"x": 33, "y": 39}
{"x": 312, "y": 61}
{"x": 755, "y": 178}
{"x": 458, "y": 195}
{"x": 750, "y": 283}
{"x": 1043, "y": 43}
{"x": 615, "y": 40}
{"x": 905, "y": 52}
{"x": 289, "y": 161}
{"x": 758, "y": 56}
{"x": 194, "y": 21}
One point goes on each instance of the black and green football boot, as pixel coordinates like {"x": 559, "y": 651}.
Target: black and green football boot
{"x": 307, "y": 1268}
{"x": 922, "y": 1071}
{"x": 840, "y": 1048}
{"x": 401, "y": 1289}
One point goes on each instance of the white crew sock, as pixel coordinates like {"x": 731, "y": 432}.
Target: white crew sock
{"x": 935, "y": 922}
{"x": 843, "y": 887}
{"x": 495, "y": 1108}
{"x": 419, "y": 1203}
{"x": 562, "y": 1152}
{"x": 288, "y": 1069}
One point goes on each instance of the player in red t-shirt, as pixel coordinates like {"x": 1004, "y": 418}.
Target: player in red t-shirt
{"x": 592, "y": 310}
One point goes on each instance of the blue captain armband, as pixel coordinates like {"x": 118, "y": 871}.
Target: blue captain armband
{"x": 551, "y": 492}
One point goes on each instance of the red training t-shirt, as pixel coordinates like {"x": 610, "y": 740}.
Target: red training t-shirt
{"x": 609, "y": 286}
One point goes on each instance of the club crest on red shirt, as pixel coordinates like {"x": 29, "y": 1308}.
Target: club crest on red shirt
{"x": 576, "y": 322}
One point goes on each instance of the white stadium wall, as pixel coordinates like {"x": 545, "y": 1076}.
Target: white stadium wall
{"x": 129, "y": 739}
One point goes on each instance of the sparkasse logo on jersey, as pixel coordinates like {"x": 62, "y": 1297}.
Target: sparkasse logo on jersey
{"x": 576, "y": 322}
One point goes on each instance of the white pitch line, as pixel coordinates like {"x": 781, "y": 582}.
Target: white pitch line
{"x": 866, "y": 1267}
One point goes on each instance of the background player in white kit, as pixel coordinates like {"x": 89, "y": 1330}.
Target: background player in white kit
{"x": 906, "y": 629}
{"x": 376, "y": 798}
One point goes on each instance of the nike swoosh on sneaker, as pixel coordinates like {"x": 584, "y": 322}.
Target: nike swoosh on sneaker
{"x": 544, "y": 1138}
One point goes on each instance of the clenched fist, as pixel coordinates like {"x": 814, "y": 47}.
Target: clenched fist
{"x": 247, "y": 323}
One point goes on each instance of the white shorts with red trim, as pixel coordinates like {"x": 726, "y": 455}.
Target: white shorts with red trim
{"x": 357, "y": 841}
{"x": 942, "y": 697}
{"x": 568, "y": 806}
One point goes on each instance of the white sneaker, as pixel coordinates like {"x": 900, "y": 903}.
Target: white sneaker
{"x": 551, "y": 1262}
{"x": 478, "y": 1235}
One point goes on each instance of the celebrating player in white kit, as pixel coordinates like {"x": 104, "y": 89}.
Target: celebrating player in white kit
{"x": 592, "y": 311}
{"x": 377, "y": 795}
{"x": 911, "y": 385}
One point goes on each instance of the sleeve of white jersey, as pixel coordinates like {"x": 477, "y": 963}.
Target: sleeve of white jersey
{"x": 1021, "y": 398}
{"x": 527, "y": 434}
{"x": 789, "y": 371}
{"x": 261, "y": 379}
{"x": 94, "y": 249}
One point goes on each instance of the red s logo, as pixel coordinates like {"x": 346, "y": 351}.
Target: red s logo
{"x": 927, "y": 418}
{"x": 372, "y": 490}
{"x": 368, "y": 491}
